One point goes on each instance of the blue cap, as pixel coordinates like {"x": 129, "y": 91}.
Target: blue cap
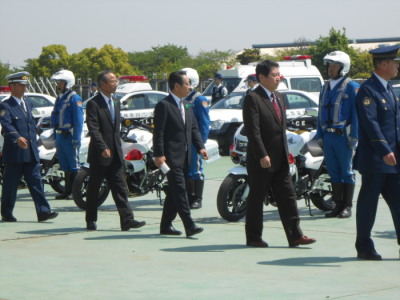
{"x": 218, "y": 76}
{"x": 95, "y": 84}
{"x": 20, "y": 77}
{"x": 388, "y": 52}
{"x": 251, "y": 77}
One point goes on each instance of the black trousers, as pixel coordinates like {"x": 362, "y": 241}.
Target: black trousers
{"x": 176, "y": 201}
{"x": 114, "y": 174}
{"x": 261, "y": 182}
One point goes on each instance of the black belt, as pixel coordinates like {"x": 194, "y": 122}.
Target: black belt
{"x": 337, "y": 131}
{"x": 63, "y": 132}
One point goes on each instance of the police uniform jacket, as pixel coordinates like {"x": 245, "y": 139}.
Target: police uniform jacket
{"x": 379, "y": 128}
{"x": 15, "y": 123}
{"x": 201, "y": 112}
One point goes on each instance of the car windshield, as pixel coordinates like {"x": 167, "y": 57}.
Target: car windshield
{"x": 396, "y": 90}
{"x": 229, "y": 83}
{"x": 232, "y": 101}
{"x": 38, "y": 101}
{"x": 307, "y": 84}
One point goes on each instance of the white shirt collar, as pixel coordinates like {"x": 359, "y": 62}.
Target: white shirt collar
{"x": 176, "y": 98}
{"x": 105, "y": 97}
{"x": 267, "y": 91}
{"x": 383, "y": 81}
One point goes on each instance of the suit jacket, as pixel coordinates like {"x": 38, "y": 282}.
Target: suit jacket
{"x": 379, "y": 125}
{"x": 104, "y": 134}
{"x": 172, "y": 137}
{"x": 265, "y": 132}
{"x": 16, "y": 123}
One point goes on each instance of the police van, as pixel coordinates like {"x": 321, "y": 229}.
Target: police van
{"x": 297, "y": 73}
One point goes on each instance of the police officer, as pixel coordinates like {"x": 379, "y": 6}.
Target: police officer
{"x": 195, "y": 176}
{"x": 252, "y": 83}
{"x": 20, "y": 151}
{"x": 337, "y": 130}
{"x": 67, "y": 121}
{"x": 93, "y": 89}
{"x": 379, "y": 148}
{"x": 219, "y": 91}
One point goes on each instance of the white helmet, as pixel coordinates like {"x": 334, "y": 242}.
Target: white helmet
{"x": 339, "y": 57}
{"x": 193, "y": 76}
{"x": 65, "y": 75}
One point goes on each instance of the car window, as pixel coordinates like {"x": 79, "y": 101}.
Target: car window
{"x": 306, "y": 84}
{"x": 38, "y": 101}
{"x": 297, "y": 101}
{"x": 154, "y": 98}
{"x": 233, "y": 101}
{"x": 396, "y": 90}
{"x": 229, "y": 83}
{"x": 134, "y": 102}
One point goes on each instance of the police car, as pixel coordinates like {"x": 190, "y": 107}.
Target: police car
{"x": 226, "y": 115}
{"x": 396, "y": 90}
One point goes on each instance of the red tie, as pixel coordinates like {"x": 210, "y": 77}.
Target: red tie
{"x": 277, "y": 110}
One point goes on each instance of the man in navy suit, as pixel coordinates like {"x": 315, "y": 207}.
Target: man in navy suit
{"x": 105, "y": 155}
{"x": 20, "y": 151}
{"x": 378, "y": 151}
{"x": 174, "y": 132}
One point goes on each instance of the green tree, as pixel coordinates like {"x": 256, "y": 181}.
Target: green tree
{"x": 207, "y": 63}
{"x": 248, "y": 56}
{"x": 4, "y": 71}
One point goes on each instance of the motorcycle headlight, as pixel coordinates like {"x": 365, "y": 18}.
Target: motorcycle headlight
{"x": 217, "y": 124}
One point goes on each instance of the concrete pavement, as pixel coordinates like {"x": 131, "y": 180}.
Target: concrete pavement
{"x": 59, "y": 259}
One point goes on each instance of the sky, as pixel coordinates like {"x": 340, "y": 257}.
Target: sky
{"x": 28, "y": 25}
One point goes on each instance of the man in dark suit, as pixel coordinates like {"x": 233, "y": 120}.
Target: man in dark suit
{"x": 20, "y": 151}
{"x": 105, "y": 153}
{"x": 175, "y": 130}
{"x": 267, "y": 159}
{"x": 378, "y": 151}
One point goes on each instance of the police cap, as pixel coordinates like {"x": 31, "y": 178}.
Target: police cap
{"x": 218, "y": 76}
{"x": 388, "y": 52}
{"x": 251, "y": 77}
{"x": 20, "y": 77}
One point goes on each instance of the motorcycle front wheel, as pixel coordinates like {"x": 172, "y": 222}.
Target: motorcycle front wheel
{"x": 79, "y": 189}
{"x": 57, "y": 183}
{"x": 231, "y": 204}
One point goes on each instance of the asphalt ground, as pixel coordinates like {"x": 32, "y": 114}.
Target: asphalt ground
{"x": 59, "y": 259}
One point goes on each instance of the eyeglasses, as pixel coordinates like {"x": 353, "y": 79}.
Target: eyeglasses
{"x": 113, "y": 81}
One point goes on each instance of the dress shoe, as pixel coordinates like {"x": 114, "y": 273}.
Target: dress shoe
{"x": 194, "y": 230}
{"x": 195, "y": 205}
{"x": 91, "y": 225}
{"x": 47, "y": 216}
{"x": 132, "y": 224}
{"x": 346, "y": 213}
{"x": 371, "y": 255}
{"x": 259, "y": 244}
{"x": 9, "y": 219}
{"x": 302, "y": 241}
{"x": 170, "y": 231}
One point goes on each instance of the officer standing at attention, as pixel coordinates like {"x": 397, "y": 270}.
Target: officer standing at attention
{"x": 219, "y": 91}
{"x": 378, "y": 151}
{"x": 252, "y": 83}
{"x": 20, "y": 151}
{"x": 195, "y": 175}
{"x": 67, "y": 121}
{"x": 337, "y": 131}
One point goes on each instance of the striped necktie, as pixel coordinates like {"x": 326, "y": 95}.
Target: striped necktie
{"x": 275, "y": 103}
{"x": 111, "y": 107}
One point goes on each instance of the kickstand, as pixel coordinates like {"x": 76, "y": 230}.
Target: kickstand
{"x": 308, "y": 203}
{"x": 159, "y": 197}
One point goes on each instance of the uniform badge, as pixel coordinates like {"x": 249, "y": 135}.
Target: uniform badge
{"x": 383, "y": 101}
{"x": 79, "y": 103}
{"x": 366, "y": 101}
{"x": 2, "y": 112}
{"x": 345, "y": 96}
{"x": 205, "y": 103}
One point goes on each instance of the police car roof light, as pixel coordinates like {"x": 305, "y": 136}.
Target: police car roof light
{"x": 132, "y": 78}
{"x": 5, "y": 89}
{"x": 297, "y": 57}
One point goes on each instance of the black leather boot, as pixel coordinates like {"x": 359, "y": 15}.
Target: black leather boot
{"x": 69, "y": 179}
{"x": 337, "y": 197}
{"x": 348, "y": 192}
{"x": 190, "y": 190}
{"x": 198, "y": 194}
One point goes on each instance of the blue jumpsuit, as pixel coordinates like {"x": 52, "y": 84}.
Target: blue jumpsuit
{"x": 379, "y": 120}
{"x": 200, "y": 107}
{"x": 337, "y": 122}
{"x": 67, "y": 121}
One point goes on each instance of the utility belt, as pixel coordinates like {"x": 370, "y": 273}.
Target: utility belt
{"x": 63, "y": 132}
{"x": 337, "y": 131}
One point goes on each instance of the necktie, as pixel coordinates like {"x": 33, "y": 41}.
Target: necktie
{"x": 275, "y": 103}
{"x": 23, "y": 106}
{"x": 111, "y": 107}
{"x": 182, "y": 109}
{"x": 391, "y": 97}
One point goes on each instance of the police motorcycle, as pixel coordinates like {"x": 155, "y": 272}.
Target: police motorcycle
{"x": 142, "y": 175}
{"x": 306, "y": 166}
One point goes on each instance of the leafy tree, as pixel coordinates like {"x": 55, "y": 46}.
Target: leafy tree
{"x": 4, "y": 71}
{"x": 207, "y": 63}
{"x": 248, "y": 56}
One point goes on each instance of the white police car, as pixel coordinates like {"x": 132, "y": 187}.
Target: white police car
{"x": 226, "y": 115}
{"x": 396, "y": 90}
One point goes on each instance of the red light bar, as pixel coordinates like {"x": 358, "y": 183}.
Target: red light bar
{"x": 5, "y": 89}
{"x": 297, "y": 57}
{"x": 132, "y": 78}
{"x": 291, "y": 159}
